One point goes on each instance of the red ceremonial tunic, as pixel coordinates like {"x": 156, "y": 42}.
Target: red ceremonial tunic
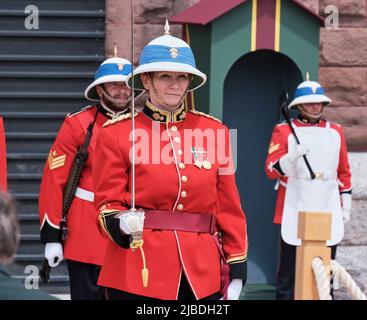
{"x": 167, "y": 179}
{"x": 85, "y": 242}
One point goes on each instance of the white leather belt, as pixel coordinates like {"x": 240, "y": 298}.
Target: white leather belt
{"x": 326, "y": 175}
{"x": 84, "y": 194}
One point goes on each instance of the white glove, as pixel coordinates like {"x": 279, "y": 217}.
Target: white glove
{"x": 288, "y": 161}
{"x": 234, "y": 289}
{"x": 346, "y": 202}
{"x": 54, "y": 253}
{"x": 132, "y": 221}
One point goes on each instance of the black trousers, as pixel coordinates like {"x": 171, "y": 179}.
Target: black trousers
{"x": 83, "y": 281}
{"x": 287, "y": 270}
{"x": 185, "y": 293}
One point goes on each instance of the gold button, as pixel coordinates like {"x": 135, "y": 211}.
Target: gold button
{"x": 177, "y": 139}
{"x": 184, "y": 179}
{"x": 181, "y": 165}
{"x": 180, "y": 152}
{"x": 183, "y": 194}
{"x": 174, "y": 128}
{"x": 180, "y": 207}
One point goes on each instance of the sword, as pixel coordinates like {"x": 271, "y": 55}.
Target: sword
{"x": 137, "y": 236}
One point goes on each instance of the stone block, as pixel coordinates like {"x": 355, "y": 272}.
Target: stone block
{"x": 354, "y": 8}
{"x": 345, "y": 86}
{"x": 343, "y": 47}
{"x": 354, "y": 122}
{"x": 355, "y": 229}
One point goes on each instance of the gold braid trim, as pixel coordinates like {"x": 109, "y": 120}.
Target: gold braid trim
{"x": 118, "y": 119}
{"x": 205, "y": 115}
{"x": 238, "y": 259}
{"x": 102, "y": 223}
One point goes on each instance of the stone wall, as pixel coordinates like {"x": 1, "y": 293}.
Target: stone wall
{"x": 149, "y": 19}
{"x": 352, "y": 252}
{"x": 343, "y": 72}
{"x": 343, "y": 69}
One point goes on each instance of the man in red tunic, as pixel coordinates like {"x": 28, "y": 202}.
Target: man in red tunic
{"x": 85, "y": 246}
{"x": 324, "y": 144}
{"x": 184, "y": 182}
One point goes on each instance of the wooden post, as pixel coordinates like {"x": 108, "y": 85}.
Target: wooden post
{"x": 314, "y": 228}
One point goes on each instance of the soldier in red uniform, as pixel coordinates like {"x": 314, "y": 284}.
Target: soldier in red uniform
{"x": 85, "y": 246}
{"x": 185, "y": 186}
{"x": 324, "y": 144}
{"x": 3, "y": 167}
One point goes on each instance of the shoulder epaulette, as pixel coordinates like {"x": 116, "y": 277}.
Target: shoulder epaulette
{"x": 118, "y": 119}
{"x": 334, "y": 123}
{"x": 205, "y": 115}
{"x": 72, "y": 114}
{"x": 284, "y": 122}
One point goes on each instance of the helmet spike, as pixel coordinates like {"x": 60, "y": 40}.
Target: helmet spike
{"x": 307, "y": 76}
{"x": 115, "y": 50}
{"x": 166, "y": 27}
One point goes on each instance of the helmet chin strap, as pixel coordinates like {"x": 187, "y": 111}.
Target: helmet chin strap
{"x": 309, "y": 116}
{"x": 162, "y": 100}
{"x": 107, "y": 101}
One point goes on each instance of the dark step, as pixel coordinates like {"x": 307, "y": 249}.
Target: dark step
{"x": 49, "y": 43}
{"x": 65, "y": 64}
{"x": 44, "y": 104}
{"x": 52, "y": 58}
{"x": 33, "y": 115}
{"x": 33, "y": 121}
{"x": 30, "y": 244}
{"x": 26, "y": 202}
{"x": 24, "y": 182}
{"x": 48, "y": 65}
{"x": 29, "y": 258}
{"x": 29, "y": 223}
{"x": 70, "y": 5}
{"x": 24, "y": 176}
{"x": 18, "y": 267}
{"x": 86, "y": 69}
{"x": 26, "y": 162}
{"x": 51, "y": 34}
{"x": 59, "y": 284}
{"x": 42, "y": 95}
{"x": 53, "y": 279}
{"x": 32, "y": 85}
{"x": 72, "y": 23}
{"x": 22, "y": 260}
{"x": 40, "y": 145}
{"x": 29, "y": 141}
{"x": 48, "y": 75}
{"x": 31, "y": 135}
{"x": 55, "y": 13}
{"x": 27, "y": 217}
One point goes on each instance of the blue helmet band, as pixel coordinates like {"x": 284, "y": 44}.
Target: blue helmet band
{"x": 157, "y": 53}
{"x": 305, "y": 91}
{"x": 109, "y": 69}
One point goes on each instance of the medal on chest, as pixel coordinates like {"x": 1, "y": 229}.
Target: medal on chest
{"x": 200, "y": 158}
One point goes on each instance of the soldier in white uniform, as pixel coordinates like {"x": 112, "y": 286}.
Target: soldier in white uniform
{"x": 324, "y": 145}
